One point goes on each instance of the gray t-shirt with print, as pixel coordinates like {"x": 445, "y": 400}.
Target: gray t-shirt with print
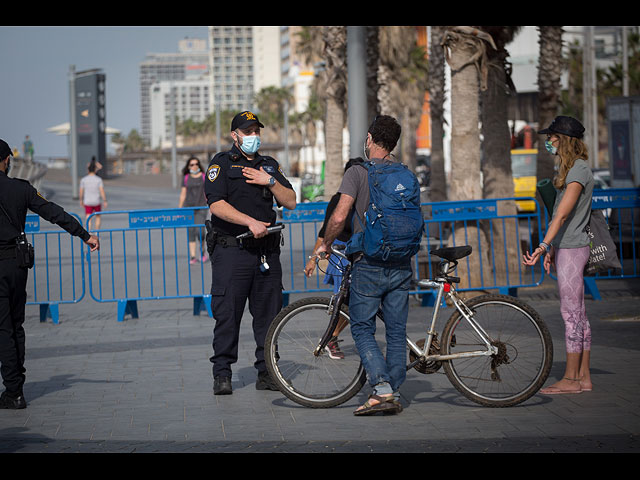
{"x": 571, "y": 233}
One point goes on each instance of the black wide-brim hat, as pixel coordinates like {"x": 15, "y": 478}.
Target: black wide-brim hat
{"x": 245, "y": 119}
{"x": 565, "y": 126}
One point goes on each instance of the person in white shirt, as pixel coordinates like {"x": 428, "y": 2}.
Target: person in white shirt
{"x": 91, "y": 192}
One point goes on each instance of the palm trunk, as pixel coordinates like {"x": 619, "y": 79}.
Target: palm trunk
{"x": 549, "y": 72}
{"x": 465, "y": 149}
{"x": 335, "y": 41}
{"x": 333, "y": 169}
{"x": 496, "y": 170}
{"x": 438, "y": 184}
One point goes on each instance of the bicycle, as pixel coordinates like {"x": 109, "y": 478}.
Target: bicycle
{"x": 494, "y": 349}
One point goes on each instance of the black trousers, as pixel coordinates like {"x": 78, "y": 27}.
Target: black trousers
{"x": 236, "y": 278}
{"x": 13, "y": 296}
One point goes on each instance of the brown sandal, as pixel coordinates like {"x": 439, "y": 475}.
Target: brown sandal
{"x": 385, "y": 404}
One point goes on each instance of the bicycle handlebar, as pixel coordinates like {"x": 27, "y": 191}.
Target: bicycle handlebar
{"x": 335, "y": 249}
{"x": 276, "y": 228}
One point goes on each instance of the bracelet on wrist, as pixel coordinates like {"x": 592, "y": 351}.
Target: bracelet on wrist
{"x": 545, "y": 246}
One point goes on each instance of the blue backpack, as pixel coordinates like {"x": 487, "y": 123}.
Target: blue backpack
{"x": 393, "y": 220}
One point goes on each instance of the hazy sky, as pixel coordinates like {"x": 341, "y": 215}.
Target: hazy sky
{"x": 34, "y": 83}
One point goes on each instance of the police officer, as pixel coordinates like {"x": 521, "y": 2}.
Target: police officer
{"x": 15, "y": 197}
{"x": 241, "y": 186}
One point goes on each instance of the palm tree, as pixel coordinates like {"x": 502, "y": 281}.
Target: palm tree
{"x": 466, "y": 55}
{"x": 402, "y": 79}
{"x": 438, "y": 182}
{"x": 373, "y": 61}
{"x": 269, "y": 103}
{"x": 335, "y": 86}
{"x": 550, "y": 67}
{"x": 496, "y": 148}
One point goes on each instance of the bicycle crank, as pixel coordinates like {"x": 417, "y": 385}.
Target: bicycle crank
{"x": 427, "y": 366}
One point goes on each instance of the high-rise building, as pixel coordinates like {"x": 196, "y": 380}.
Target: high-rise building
{"x": 266, "y": 57}
{"x": 231, "y": 67}
{"x": 191, "y": 101}
{"x": 191, "y": 62}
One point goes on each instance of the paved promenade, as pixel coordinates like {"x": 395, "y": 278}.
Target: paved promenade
{"x": 144, "y": 385}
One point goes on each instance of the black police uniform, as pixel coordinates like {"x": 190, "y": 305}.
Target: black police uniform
{"x": 236, "y": 273}
{"x": 16, "y": 196}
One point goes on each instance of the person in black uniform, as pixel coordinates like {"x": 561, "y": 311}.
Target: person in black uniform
{"x": 240, "y": 187}
{"x": 16, "y": 196}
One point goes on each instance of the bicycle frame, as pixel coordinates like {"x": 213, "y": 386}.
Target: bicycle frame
{"x": 442, "y": 284}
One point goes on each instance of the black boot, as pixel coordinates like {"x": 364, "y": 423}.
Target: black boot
{"x": 12, "y": 402}
{"x": 222, "y": 386}
{"x": 265, "y": 382}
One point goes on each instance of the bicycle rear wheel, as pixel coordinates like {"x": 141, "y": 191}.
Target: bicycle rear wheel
{"x": 313, "y": 381}
{"x": 523, "y": 361}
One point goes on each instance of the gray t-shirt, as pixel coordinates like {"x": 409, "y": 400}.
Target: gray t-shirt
{"x": 355, "y": 183}
{"x": 90, "y": 185}
{"x": 572, "y": 234}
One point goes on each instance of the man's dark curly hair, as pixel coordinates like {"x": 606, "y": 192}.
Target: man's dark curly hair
{"x": 385, "y": 131}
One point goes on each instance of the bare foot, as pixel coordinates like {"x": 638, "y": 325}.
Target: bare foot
{"x": 586, "y": 385}
{"x": 566, "y": 385}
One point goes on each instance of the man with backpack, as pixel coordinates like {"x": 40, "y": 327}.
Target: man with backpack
{"x": 387, "y": 228}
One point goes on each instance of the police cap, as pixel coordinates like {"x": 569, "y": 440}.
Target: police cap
{"x": 245, "y": 119}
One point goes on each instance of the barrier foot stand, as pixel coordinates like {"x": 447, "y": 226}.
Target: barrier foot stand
{"x": 49, "y": 310}
{"x": 285, "y": 299}
{"x": 126, "y": 307}
{"x": 591, "y": 288}
{"x": 202, "y": 303}
{"x": 511, "y": 291}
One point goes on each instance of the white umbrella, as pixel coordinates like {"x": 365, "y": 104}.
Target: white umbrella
{"x": 64, "y": 128}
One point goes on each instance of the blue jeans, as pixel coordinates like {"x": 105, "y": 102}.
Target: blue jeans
{"x": 373, "y": 285}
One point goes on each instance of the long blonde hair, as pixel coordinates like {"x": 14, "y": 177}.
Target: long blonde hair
{"x": 569, "y": 150}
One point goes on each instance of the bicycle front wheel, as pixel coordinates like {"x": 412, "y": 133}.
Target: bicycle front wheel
{"x": 524, "y": 351}
{"x": 326, "y": 380}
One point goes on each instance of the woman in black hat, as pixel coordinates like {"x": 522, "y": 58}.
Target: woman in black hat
{"x": 566, "y": 245}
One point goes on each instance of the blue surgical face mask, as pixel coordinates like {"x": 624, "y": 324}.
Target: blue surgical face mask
{"x": 550, "y": 148}
{"x": 195, "y": 170}
{"x": 250, "y": 144}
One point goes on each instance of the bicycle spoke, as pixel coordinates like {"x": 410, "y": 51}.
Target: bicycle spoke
{"x": 315, "y": 381}
{"x": 523, "y": 346}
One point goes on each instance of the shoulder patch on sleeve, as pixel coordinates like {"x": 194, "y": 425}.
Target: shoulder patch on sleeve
{"x": 213, "y": 171}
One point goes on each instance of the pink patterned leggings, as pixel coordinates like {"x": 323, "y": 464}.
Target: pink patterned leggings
{"x": 570, "y": 263}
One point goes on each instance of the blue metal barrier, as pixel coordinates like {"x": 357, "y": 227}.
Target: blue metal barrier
{"x": 499, "y": 236}
{"x": 144, "y": 255}
{"x": 57, "y": 276}
{"x": 304, "y": 222}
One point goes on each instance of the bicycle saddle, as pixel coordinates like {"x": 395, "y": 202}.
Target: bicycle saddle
{"x": 452, "y": 253}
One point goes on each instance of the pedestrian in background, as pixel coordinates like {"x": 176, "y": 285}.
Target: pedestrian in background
{"x": 92, "y": 196}
{"x": 566, "y": 245}
{"x": 241, "y": 186}
{"x": 27, "y": 148}
{"x": 16, "y": 196}
{"x": 192, "y": 195}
